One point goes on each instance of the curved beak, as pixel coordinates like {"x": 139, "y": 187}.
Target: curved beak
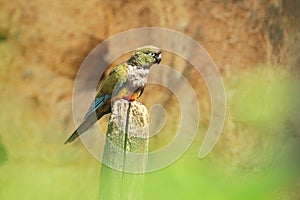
{"x": 158, "y": 58}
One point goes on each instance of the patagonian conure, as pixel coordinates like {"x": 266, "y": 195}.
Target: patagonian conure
{"x": 126, "y": 81}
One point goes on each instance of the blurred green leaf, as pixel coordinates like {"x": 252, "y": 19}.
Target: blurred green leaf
{"x": 3, "y": 154}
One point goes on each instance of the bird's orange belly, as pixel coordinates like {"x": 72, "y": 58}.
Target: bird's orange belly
{"x": 132, "y": 96}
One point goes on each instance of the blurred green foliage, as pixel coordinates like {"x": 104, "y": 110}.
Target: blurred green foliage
{"x": 3, "y": 154}
{"x": 191, "y": 178}
{"x": 262, "y": 98}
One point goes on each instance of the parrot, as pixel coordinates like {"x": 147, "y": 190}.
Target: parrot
{"x": 125, "y": 81}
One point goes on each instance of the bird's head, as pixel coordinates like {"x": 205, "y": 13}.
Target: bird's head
{"x": 146, "y": 56}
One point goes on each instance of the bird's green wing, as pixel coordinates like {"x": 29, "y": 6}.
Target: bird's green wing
{"x": 110, "y": 85}
{"x": 113, "y": 81}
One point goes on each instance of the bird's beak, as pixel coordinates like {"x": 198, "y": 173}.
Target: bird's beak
{"x": 158, "y": 58}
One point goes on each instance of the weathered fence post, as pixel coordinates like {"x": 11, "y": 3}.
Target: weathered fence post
{"x": 126, "y": 149}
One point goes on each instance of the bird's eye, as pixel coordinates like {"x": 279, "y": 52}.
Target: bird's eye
{"x": 151, "y": 54}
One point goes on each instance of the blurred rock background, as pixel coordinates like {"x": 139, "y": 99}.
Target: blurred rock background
{"x": 255, "y": 44}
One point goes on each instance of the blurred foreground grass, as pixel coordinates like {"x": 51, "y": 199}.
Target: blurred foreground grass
{"x": 255, "y": 157}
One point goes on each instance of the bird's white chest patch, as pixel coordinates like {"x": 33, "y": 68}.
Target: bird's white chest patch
{"x": 137, "y": 76}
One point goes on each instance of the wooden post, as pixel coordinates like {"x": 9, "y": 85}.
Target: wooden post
{"x": 126, "y": 149}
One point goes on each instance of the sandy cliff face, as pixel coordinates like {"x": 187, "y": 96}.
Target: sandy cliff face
{"x": 43, "y": 43}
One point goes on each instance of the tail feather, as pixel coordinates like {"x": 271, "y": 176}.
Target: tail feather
{"x": 72, "y": 137}
{"x": 89, "y": 120}
{"x": 84, "y": 126}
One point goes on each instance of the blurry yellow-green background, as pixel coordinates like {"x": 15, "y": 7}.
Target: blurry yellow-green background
{"x": 256, "y": 46}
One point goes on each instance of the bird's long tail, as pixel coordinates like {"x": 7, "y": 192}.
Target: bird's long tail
{"x": 84, "y": 126}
